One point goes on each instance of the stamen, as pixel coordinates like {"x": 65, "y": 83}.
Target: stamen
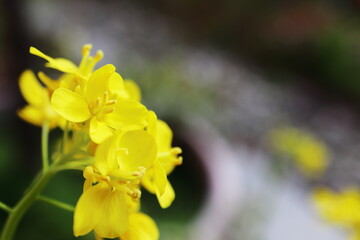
{"x": 110, "y": 102}
{"x": 176, "y": 150}
{"x": 136, "y": 194}
{"x": 88, "y": 172}
{"x": 86, "y": 50}
{"x": 77, "y": 89}
{"x": 108, "y": 110}
{"x": 98, "y": 56}
{"x": 178, "y": 161}
{"x": 98, "y": 101}
{"x": 140, "y": 172}
{"x": 106, "y": 96}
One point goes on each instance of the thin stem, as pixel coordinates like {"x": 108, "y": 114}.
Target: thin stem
{"x": 5, "y": 207}
{"x": 57, "y": 203}
{"x": 65, "y": 138}
{"x": 44, "y": 146}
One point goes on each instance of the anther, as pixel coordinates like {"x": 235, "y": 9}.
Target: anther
{"x": 178, "y": 161}
{"x": 88, "y": 172}
{"x": 98, "y": 101}
{"x": 136, "y": 194}
{"x": 140, "y": 172}
{"x": 86, "y": 50}
{"x": 98, "y": 56}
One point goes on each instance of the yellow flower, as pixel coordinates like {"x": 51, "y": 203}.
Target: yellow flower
{"x": 39, "y": 109}
{"x": 341, "y": 208}
{"x": 101, "y": 105}
{"x": 102, "y": 97}
{"x": 119, "y": 164}
{"x": 155, "y": 179}
{"x": 85, "y": 67}
{"x": 310, "y": 155}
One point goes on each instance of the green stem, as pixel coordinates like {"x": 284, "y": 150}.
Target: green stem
{"x": 5, "y": 207}
{"x": 23, "y": 205}
{"x": 57, "y": 203}
{"x": 44, "y": 146}
{"x": 65, "y": 138}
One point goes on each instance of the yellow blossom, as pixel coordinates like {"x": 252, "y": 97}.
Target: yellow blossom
{"x": 39, "y": 109}
{"x": 310, "y": 154}
{"x": 155, "y": 179}
{"x": 85, "y": 67}
{"x": 119, "y": 164}
{"x": 101, "y": 105}
{"x": 341, "y": 208}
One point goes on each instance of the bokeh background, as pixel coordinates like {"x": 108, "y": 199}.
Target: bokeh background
{"x": 224, "y": 75}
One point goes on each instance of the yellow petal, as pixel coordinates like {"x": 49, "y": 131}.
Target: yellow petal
{"x": 103, "y": 210}
{"x": 141, "y": 150}
{"x": 31, "y": 89}
{"x": 166, "y": 199}
{"x": 50, "y": 83}
{"x": 133, "y": 205}
{"x": 164, "y": 136}
{"x": 113, "y": 221}
{"x": 127, "y": 115}
{"x": 60, "y": 64}
{"x": 32, "y": 115}
{"x": 152, "y": 124}
{"x": 88, "y": 210}
{"x": 70, "y": 105}
{"x": 116, "y": 84}
{"x": 160, "y": 178}
{"x": 105, "y": 154}
{"x": 133, "y": 90}
{"x": 141, "y": 227}
{"x": 98, "y": 83}
{"x": 99, "y": 131}
{"x": 148, "y": 180}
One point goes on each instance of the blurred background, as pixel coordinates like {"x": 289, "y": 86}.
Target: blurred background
{"x": 236, "y": 80}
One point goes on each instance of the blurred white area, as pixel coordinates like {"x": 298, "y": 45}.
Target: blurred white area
{"x": 293, "y": 217}
{"x": 225, "y": 182}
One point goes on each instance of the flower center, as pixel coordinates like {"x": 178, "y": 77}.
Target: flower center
{"x": 103, "y": 106}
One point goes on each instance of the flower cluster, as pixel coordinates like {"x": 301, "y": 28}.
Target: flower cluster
{"x": 340, "y": 208}
{"x": 104, "y": 120}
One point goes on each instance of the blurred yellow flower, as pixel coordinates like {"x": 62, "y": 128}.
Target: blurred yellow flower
{"x": 120, "y": 162}
{"x": 39, "y": 109}
{"x": 340, "y": 208}
{"x": 155, "y": 179}
{"x": 310, "y": 154}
